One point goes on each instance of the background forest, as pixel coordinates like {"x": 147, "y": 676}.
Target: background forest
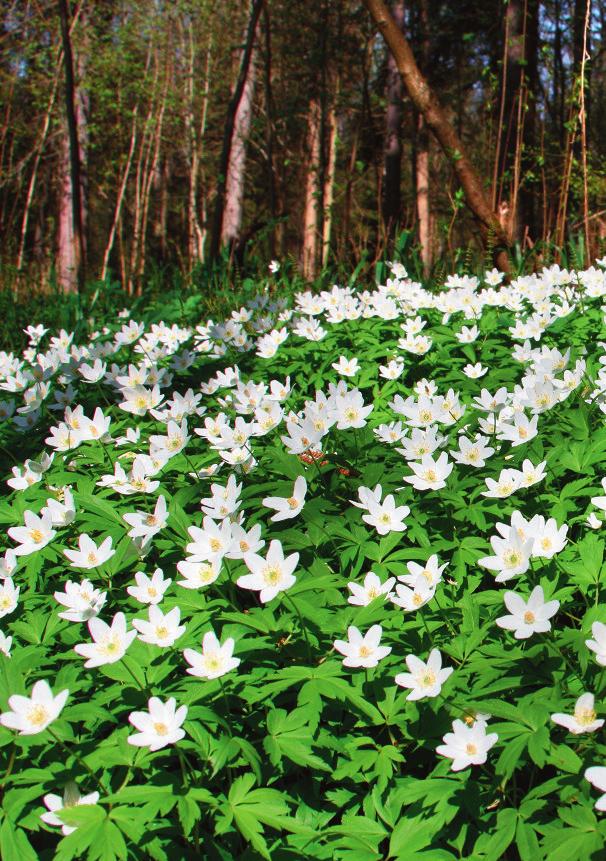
{"x": 241, "y": 132}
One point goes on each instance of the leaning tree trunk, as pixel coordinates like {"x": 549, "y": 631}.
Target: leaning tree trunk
{"x": 437, "y": 121}
{"x": 71, "y": 262}
{"x": 228, "y": 134}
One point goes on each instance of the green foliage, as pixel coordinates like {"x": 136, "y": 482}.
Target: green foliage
{"x": 293, "y": 754}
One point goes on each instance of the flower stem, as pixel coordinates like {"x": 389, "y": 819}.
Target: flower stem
{"x": 301, "y": 623}
{"x": 78, "y": 759}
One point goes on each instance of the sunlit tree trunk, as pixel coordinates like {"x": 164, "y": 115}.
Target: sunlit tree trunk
{"x": 231, "y": 228}
{"x": 422, "y": 153}
{"x": 311, "y": 208}
{"x": 328, "y": 193}
{"x": 230, "y": 123}
{"x": 71, "y": 252}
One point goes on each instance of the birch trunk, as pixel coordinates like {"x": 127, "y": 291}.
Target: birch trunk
{"x": 228, "y": 136}
{"x": 71, "y": 258}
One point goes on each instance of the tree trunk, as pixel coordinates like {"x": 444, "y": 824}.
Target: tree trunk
{"x": 269, "y": 135}
{"x": 422, "y": 153}
{"x": 392, "y": 163}
{"x": 120, "y": 198}
{"x": 231, "y": 227}
{"x": 422, "y": 190}
{"x": 437, "y": 121}
{"x": 328, "y": 193}
{"x": 228, "y": 135}
{"x": 71, "y": 261}
{"x": 309, "y": 257}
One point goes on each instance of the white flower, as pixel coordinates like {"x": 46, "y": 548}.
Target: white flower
{"x": 425, "y": 679}
{"x": 215, "y": 659}
{"x": 467, "y": 745}
{"x": 61, "y": 513}
{"x": 9, "y": 596}
{"x": 594, "y": 521}
{"x": 110, "y": 642}
{"x": 271, "y": 575}
{"x": 211, "y": 542}
{"x": 415, "y": 597}
{"x": 472, "y": 453}
{"x": 430, "y": 474}
{"x": 145, "y": 525}
{"x": 528, "y": 617}
{"x": 149, "y": 590}
{"x": 512, "y": 556}
{"x": 361, "y": 596}
{"x": 583, "y": 719}
{"x": 160, "y": 629}
{"x": 598, "y": 644}
{"x": 548, "y": 539}
{"x": 33, "y": 714}
{"x": 474, "y": 372}
{"x": 197, "y": 574}
{"x": 90, "y": 556}
{"x": 36, "y": 533}
{"x": 596, "y": 775}
{"x": 362, "y": 651}
{"x": 159, "y": 726}
{"x": 71, "y": 798}
{"x": 386, "y": 516}
{"x": 5, "y": 644}
{"x": 467, "y": 335}
{"x": 274, "y": 266}
{"x": 287, "y": 508}
{"x": 82, "y": 600}
{"x": 346, "y": 367}
{"x": 430, "y": 573}
{"x": 8, "y": 563}
{"x": 393, "y": 370}
{"x": 506, "y": 484}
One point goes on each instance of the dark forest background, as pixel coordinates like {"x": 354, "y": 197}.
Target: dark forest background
{"x": 150, "y": 135}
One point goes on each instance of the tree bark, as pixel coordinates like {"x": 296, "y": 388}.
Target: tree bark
{"x": 231, "y": 227}
{"x": 72, "y": 257}
{"x": 392, "y": 160}
{"x": 437, "y": 121}
{"x": 228, "y": 135}
{"x": 328, "y": 193}
{"x": 309, "y": 257}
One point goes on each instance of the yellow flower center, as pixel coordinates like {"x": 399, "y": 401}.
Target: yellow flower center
{"x": 160, "y": 729}
{"x": 430, "y": 475}
{"x": 529, "y": 617}
{"x": 512, "y": 558}
{"x": 37, "y": 715}
{"x": 584, "y": 716}
{"x": 272, "y": 575}
{"x": 292, "y": 502}
{"x": 36, "y": 535}
{"x": 471, "y": 749}
{"x": 365, "y": 652}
